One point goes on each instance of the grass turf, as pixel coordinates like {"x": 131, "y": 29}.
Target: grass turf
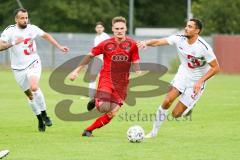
{"x": 212, "y": 133}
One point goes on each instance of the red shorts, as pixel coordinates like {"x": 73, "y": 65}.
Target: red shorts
{"x": 107, "y": 92}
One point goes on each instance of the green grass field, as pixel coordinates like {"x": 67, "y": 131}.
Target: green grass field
{"x": 213, "y": 133}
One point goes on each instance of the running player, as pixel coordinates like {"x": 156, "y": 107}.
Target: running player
{"x": 26, "y": 64}
{"x": 198, "y": 64}
{"x": 119, "y": 53}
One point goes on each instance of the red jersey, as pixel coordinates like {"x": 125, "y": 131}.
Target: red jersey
{"x": 117, "y": 59}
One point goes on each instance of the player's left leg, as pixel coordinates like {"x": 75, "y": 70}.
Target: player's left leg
{"x": 179, "y": 109}
{"x": 187, "y": 102}
{"x": 36, "y": 110}
{"x": 110, "y": 110}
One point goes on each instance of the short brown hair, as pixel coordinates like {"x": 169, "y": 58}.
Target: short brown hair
{"x": 118, "y": 19}
{"x": 19, "y": 10}
{"x": 100, "y": 23}
{"x": 198, "y": 23}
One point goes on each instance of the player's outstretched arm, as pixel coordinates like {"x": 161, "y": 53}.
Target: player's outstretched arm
{"x": 4, "y": 45}
{"x": 211, "y": 72}
{"x": 49, "y": 38}
{"x": 152, "y": 42}
{"x": 74, "y": 74}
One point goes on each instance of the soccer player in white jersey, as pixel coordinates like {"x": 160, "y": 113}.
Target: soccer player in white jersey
{"x": 26, "y": 64}
{"x": 96, "y": 64}
{"x": 198, "y": 64}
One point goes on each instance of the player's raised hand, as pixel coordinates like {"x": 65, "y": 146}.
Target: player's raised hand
{"x": 64, "y": 49}
{"x": 141, "y": 44}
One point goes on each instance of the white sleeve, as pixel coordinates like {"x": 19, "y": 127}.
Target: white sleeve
{"x": 38, "y": 31}
{"x": 6, "y": 34}
{"x": 172, "y": 39}
{"x": 209, "y": 56}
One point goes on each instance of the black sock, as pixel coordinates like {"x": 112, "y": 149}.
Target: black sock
{"x": 39, "y": 117}
{"x": 44, "y": 113}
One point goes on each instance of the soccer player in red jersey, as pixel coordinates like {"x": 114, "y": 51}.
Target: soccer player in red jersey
{"x": 119, "y": 53}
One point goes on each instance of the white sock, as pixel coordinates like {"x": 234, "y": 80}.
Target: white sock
{"x": 39, "y": 99}
{"x": 92, "y": 88}
{"x": 161, "y": 115}
{"x": 34, "y": 107}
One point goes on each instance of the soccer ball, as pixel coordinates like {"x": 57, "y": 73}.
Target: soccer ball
{"x": 135, "y": 134}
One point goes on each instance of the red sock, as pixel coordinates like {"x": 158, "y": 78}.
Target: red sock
{"x": 101, "y": 121}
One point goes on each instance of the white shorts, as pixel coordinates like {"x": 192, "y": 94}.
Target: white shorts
{"x": 96, "y": 65}
{"x": 22, "y": 76}
{"x": 185, "y": 86}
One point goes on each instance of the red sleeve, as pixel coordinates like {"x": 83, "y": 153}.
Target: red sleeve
{"x": 135, "y": 54}
{"x": 98, "y": 49}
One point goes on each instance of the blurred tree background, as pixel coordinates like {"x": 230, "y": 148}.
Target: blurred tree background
{"x": 220, "y": 16}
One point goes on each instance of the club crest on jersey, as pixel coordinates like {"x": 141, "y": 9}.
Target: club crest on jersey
{"x": 126, "y": 45}
{"x": 110, "y": 46}
{"x": 119, "y": 57}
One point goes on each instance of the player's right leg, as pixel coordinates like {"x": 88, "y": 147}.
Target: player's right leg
{"x": 36, "y": 110}
{"x": 161, "y": 113}
{"x": 22, "y": 81}
{"x": 33, "y": 74}
{"x": 38, "y": 97}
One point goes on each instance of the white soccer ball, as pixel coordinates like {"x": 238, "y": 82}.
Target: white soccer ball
{"x": 135, "y": 134}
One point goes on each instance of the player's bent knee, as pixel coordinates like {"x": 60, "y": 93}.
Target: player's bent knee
{"x": 105, "y": 107}
{"x": 34, "y": 88}
{"x": 112, "y": 114}
{"x": 176, "y": 114}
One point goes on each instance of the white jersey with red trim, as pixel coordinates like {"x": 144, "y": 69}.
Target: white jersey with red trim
{"x": 23, "y": 54}
{"x": 194, "y": 57}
